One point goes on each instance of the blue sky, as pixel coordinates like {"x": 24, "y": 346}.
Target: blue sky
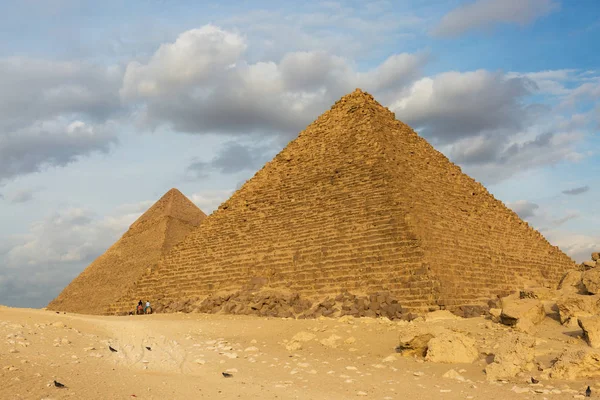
{"x": 104, "y": 106}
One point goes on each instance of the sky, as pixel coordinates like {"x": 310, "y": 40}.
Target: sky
{"x": 105, "y": 106}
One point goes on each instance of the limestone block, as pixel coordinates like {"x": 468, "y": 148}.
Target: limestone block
{"x": 577, "y": 305}
{"x": 523, "y": 314}
{"x": 591, "y": 281}
{"x": 572, "y": 282}
{"x": 591, "y": 330}
{"x": 595, "y": 256}
{"x": 516, "y": 353}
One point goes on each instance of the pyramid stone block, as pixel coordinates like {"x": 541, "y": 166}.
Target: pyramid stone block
{"x": 358, "y": 202}
{"x": 153, "y": 234}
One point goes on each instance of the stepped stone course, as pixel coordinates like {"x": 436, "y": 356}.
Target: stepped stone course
{"x": 153, "y": 234}
{"x": 359, "y": 202}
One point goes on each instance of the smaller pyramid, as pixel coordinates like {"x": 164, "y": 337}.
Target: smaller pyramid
{"x": 153, "y": 234}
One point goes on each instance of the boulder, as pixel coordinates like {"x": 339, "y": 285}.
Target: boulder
{"x": 595, "y": 256}
{"x": 523, "y": 314}
{"x": 515, "y": 354}
{"x": 591, "y": 330}
{"x": 591, "y": 281}
{"x": 452, "y": 348}
{"x": 588, "y": 264}
{"x": 571, "y": 307}
{"x": 572, "y": 282}
{"x": 575, "y": 364}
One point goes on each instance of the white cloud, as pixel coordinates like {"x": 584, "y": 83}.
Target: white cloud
{"x": 219, "y": 91}
{"x": 452, "y": 105}
{"x": 577, "y": 246}
{"x": 485, "y": 13}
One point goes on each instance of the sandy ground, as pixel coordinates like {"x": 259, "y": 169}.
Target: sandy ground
{"x": 330, "y": 359}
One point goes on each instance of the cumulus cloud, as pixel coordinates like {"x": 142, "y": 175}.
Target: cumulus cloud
{"x": 484, "y": 13}
{"x": 454, "y": 105}
{"x": 576, "y": 191}
{"x": 53, "y": 112}
{"x": 201, "y": 83}
{"x": 524, "y": 209}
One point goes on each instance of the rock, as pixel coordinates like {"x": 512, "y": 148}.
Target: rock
{"x": 416, "y": 346}
{"x": 575, "y": 364}
{"x": 595, "y": 256}
{"x": 591, "y": 330}
{"x": 574, "y": 306}
{"x": 523, "y": 314}
{"x": 452, "y": 348}
{"x": 588, "y": 264}
{"x": 495, "y": 314}
{"x": 303, "y": 336}
{"x": 572, "y": 282}
{"x": 331, "y": 341}
{"x": 591, "y": 281}
{"x": 516, "y": 353}
{"x": 452, "y": 374}
{"x": 293, "y": 346}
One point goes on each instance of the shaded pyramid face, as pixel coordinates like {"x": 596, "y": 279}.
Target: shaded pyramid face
{"x": 358, "y": 202}
{"x": 153, "y": 234}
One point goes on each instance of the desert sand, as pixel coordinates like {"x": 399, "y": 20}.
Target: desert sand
{"x": 268, "y": 358}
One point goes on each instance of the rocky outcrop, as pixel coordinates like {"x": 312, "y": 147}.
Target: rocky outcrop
{"x": 516, "y": 353}
{"x": 591, "y": 330}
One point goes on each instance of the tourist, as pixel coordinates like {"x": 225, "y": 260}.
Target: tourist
{"x": 147, "y": 307}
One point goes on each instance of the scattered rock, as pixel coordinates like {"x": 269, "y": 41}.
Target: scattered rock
{"x": 452, "y": 374}
{"x": 416, "y": 346}
{"x": 572, "y": 283}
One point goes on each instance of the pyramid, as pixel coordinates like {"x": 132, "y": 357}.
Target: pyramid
{"x": 153, "y": 234}
{"x": 358, "y": 202}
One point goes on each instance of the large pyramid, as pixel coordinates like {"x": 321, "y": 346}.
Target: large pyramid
{"x": 358, "y": 202}
{"x": 152, "y": 235}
